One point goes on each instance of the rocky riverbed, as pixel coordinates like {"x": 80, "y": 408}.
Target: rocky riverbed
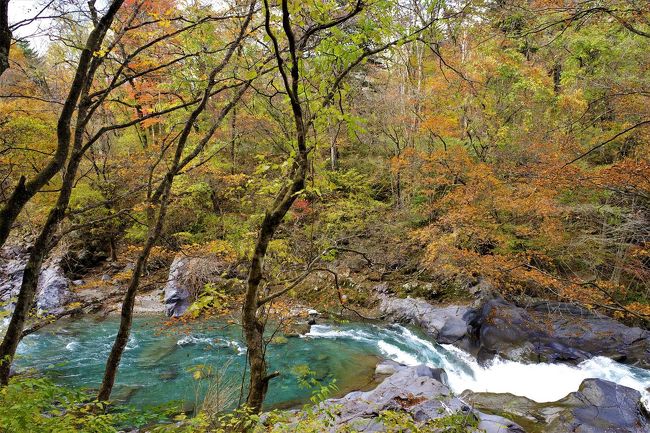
{"x": 542, "y": 332}
{"x": 599, "y": 406}
{"x": 490, "y": 328}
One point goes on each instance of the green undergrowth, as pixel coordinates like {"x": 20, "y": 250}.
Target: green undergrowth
{"x": 37, "y": 405}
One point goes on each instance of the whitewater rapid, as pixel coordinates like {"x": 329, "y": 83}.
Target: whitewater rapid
{"x": 540, "y": 382}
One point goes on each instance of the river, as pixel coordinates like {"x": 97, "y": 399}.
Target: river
{"x": 161, "y": 361}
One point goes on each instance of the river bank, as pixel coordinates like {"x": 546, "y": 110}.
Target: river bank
{"x": 523, "y": 363}
{"x": 161, "y": 361}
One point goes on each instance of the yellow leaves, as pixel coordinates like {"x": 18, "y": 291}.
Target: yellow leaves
{"x": 100, "y": 53}
{"x": 642, "y": 309}
{"x": 220, "y": 249}
{"x": 280, "y": 249}
{"x": 573, "y": 102}
{"x": 122, "y": 277}
{"x": 142, "y": 206}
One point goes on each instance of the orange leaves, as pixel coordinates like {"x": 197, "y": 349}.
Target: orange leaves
{"x": 301, "y": 208}
{"x": 494, "y": 221}
{"x": 444, "y": 125}
{"x": 630, "y": 174}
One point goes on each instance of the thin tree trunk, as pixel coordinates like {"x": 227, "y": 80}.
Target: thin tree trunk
{"x": 5, "y": 36}
{"x": 233, "y": 140}
{"x": 162, "y": 196}
{"x": 112, "y": 245}
{"x": 252, "y": 324}
{"x": 126, "y": 316}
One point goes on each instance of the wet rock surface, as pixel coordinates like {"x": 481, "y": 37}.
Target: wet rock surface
{"x": 542, "y": 332}
{"x": 599, "y": 406}
{"x": 446, "y": 324}
{"x": 556, "y": 332}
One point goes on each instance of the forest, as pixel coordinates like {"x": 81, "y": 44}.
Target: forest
{"x": 325, "y": 216}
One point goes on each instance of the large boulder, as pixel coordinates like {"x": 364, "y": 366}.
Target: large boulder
{"x": 12, "y": 266}
{"x": 53, "y": 289}
{"x": 542, "y": 332}
{"x": 420, "y": 391}
{"x": 53, "y": 285}
{"x": 599, "y": 406}
{"x": 188, "y": 275}
{"x": 446, "y": 324}
{"x": 177, "y": 294}
{"x": 556, "y": 332}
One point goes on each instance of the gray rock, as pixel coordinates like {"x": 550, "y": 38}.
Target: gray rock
{"x": 177, "y": 296}
{"x": 420, "y": 391}
{"x": 497, "y": 424}
{"x": 447, "y": 324}
{"x": 53, "y": 285}
{"x": 185, "y": 273}
{"x": 544, "y": 332}
{"x": 557, "y": 333}
{"x": 386, "y": 368}
{"x": 53, "y": 291}
{"x": 599, "y": 406}
{"x": 297, "y": 329}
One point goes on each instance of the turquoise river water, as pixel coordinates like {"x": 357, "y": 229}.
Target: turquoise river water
{"x": 160, "y": 361}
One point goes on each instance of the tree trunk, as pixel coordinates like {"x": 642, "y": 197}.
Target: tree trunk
{"x": 25, "y": 190}
{"x": 162, "y": 195}
{"x": 29, "y": 284}
{"x": 45, "y": 241}
{"x": 556, "y": 72}
{"x": 126, "y": 316}
{"x": 5, "y": 36}
{"x": 233, "y": 140}
{"x": 112, "y": 245}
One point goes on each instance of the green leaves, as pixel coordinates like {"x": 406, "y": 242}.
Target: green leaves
{"x": 38, "y": 405}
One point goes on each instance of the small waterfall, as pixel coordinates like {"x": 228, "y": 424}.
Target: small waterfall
{"x": 541, "y": 382}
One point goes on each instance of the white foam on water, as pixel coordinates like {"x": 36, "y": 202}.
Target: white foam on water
{"x": 544, "y": 382}
{"x": 213, "y": 342}
{"x": 397, "y": 354}
{"x": 72, "y": 346}
{"x": 325, "y": 331}
{"x": 541, "y": 382}
{"x": 132, "y": 343}
{"x": 191, "y": 339}
{"x": 241, "y": 349}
